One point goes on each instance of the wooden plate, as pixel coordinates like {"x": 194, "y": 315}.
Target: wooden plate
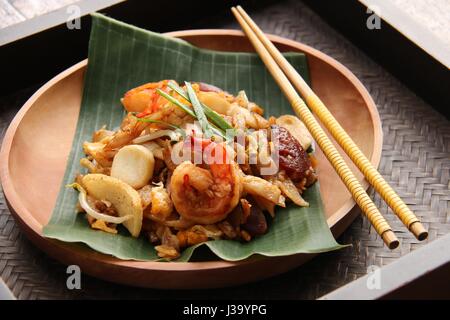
{"x": 37, "y": 144}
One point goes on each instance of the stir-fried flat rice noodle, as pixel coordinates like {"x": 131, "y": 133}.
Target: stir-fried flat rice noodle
{"x": 193, "y": 163}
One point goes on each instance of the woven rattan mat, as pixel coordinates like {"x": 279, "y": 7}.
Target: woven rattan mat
{"x": 415, "y": 160}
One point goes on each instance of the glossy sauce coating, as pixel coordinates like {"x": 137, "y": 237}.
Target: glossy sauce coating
{"x": 293, "y": 159}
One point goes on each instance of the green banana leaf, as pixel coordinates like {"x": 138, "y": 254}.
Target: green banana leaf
{"x": 121, "y": 57}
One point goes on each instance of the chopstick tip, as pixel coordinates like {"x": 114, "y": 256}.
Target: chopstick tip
{"x": 419, "y": 231}
{"x": 390, "y": 239}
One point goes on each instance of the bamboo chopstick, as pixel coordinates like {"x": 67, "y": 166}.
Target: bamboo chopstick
{"x": 330, "y": 151}
{"x": 348, "y": 145}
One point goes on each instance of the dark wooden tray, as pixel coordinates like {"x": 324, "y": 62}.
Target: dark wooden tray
{"x": 415, "y": 161}
{"x": 406, "y": 48}
{"x": 33, "y": 47}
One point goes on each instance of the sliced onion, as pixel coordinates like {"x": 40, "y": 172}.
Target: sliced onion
{"x": 288, "y": 188}
{"x": 242, "y": 97}
{"x": 157, "y": 134}
{"x": 263, "y": 188}
{"x": 82, "y": 198}
{"x": 179, "y": 224}
{"x": 206, "y": 87}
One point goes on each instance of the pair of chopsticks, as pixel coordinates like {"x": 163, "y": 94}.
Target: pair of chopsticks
{"x": 287, "y": 78}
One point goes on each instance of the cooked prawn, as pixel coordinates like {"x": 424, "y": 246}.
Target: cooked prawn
{"x": 143, "y": 98}
{"x": 130, "y": 129}
{"x": 206, "y": 196}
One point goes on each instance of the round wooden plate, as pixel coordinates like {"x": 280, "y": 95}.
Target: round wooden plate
{"x": 37, "y": 144}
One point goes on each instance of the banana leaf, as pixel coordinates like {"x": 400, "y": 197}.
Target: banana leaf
{"x": 121, "y": 57}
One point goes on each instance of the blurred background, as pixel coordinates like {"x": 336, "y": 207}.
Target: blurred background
{"x": 418, "y": 30}
{"x": 432, "y": 14}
